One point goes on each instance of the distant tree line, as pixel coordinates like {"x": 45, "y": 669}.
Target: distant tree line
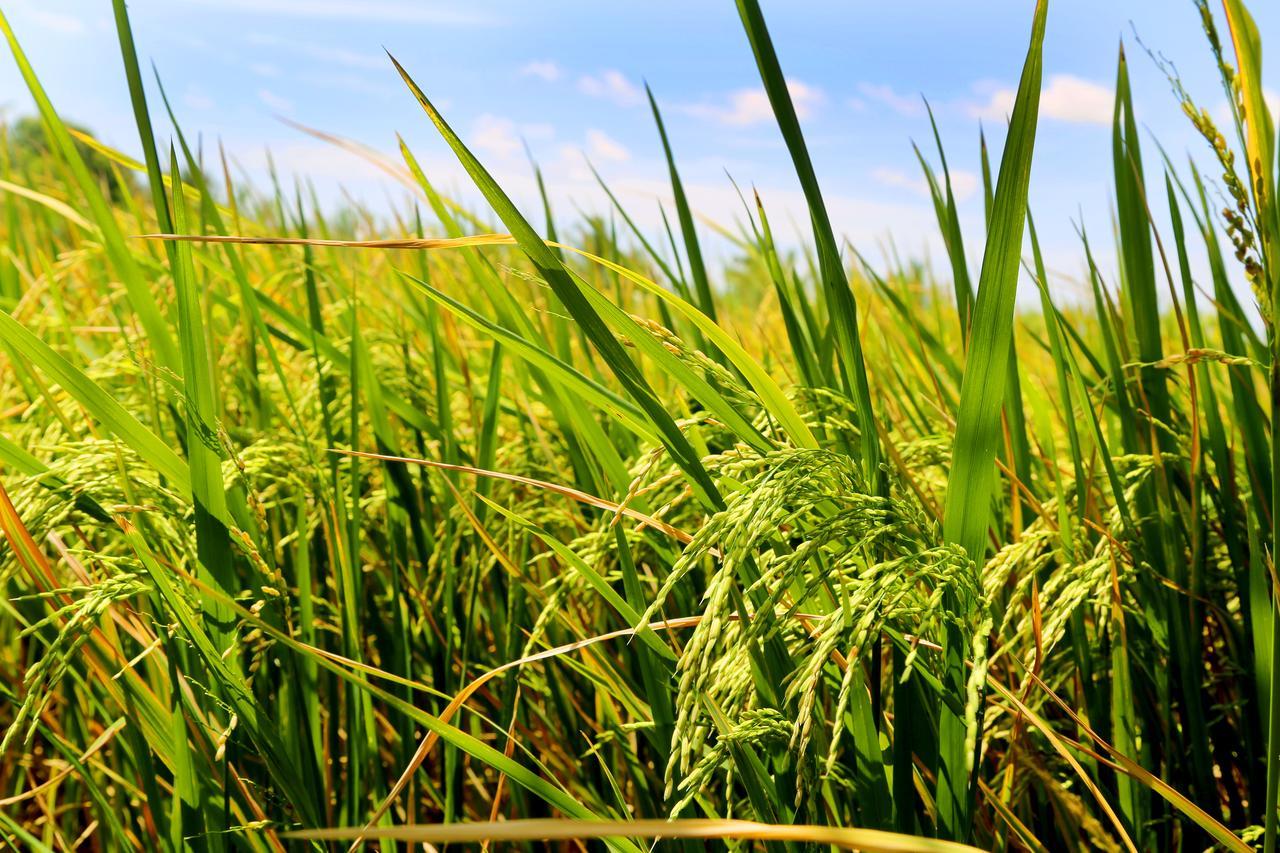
{"x": 28, "y": 141}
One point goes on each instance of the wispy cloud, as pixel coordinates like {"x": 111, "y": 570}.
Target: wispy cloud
{"x": 264, "y": 69}
{"x": 611, "y": 85}
{"x": 501, "y": 137}
{"x": 1066, "y": 98}
{"x": 543, "y": 69}
{"x": 311, "y": 158}
{"x": 274, "y": 101}
{"x": 751, "y": 106}
{"x": 381, "y": 11}
{"x": 963, "y": 183}
{"x": 329, "y": 54}
{"x": 495, "y": 135}
{"x": 601, "y": 146}
{"x": 58, "y": 22}
{"x": 898, "y": 179}
{"x": 881, "y": 93}
{"x": 347, "y": 81}
{"x": 196, "y": 99}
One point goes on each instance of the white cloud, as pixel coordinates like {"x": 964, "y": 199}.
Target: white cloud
{"x": 904, "y": 105}
{"x": 997, "y": 108}
{"x": 385, "y": 11}
{"x": 347, "y": 81}
{"x": 1074, "y": 99}
{"x": 571, "y": 168}
{"x": 751, "y": 106}
{"x": 495, "y": 135}
{"x": 601, "y": 146}
{"x": 543, "y": 69}
{"x": 866, "y": 218}
{"x": 276, "y": 102}
{"x": 264, "y": 69}
{"x": 1222, "y": 113}
{"x": 59, "y": 22}
{"x": 1066, "y": 98}
{"x": 329, "y": 54}
{"x": 310, "y": 158}
{"x": 537, "y": 131}
{"x": 501, "y": 137}
{"x": 899, "y": 180}
{"x": 612, "y": 85}
{"x": 196, "y": 99}
{"x": 963, "y": 184}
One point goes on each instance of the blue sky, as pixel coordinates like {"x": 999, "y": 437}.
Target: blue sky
{"x": 565, "y": 77}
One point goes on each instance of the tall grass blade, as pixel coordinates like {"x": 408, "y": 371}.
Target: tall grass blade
{"x": 971, "y": 482}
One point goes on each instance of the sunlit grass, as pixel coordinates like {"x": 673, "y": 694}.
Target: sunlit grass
{"x": 497, "y": 528}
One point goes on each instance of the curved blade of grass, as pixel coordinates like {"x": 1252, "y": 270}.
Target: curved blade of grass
{"x": 654, "y": 255}
{"x": 1259, "y": 130}
{"x": 550, "y": 268}
{"x": 683, "y": 375}
{"x": 584, "y": 386}
{"x": 204, "y": 450}
{"x": 629, "y": 615}
{"x": 1259, "y": 141}
{"x": 407, "y": 243}
{"x": 97, "y": 402}
{"x": 764, "y": 385}
{"x": 138, "y": 97}
{"x": 697, "y": 269}
{"x": 970, "y": 484}
{"x": 972, "y": 480}
{"x": 841, "y": 305}
{"x": 58, "y": 206}
{"x": 761, "y": 382}
{"x": 1062, "y": 750}
{"x": 590, "y": 500}
{"x": 1224, "y": 836}
{"x": 540, "y": 829}
{"x": 944, "y": 204}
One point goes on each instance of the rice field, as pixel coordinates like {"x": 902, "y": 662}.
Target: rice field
{"x": 512, "y": 529}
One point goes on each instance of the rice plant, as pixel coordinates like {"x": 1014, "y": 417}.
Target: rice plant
{"x": 441, "y": 527}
